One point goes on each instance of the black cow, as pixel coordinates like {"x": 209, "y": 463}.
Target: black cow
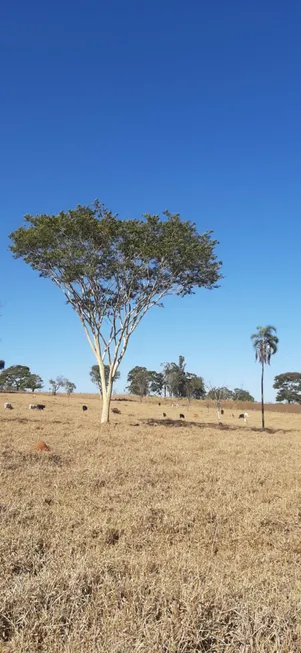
{"x": 41, "y": 406}
{"x": 182, "y": 416}
{"x": 84, "y": 408}
{"x": 164, "y": 414}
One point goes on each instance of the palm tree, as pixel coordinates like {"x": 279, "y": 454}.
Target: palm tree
{"x": 265, "y": 344}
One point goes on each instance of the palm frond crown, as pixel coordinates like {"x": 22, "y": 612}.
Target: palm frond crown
{"x": 265, "y": 343}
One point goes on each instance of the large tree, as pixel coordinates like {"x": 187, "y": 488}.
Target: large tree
{"x": 15, "y": 378}
{"x": 180, "y": 383}
{"x": 113, "y": 271}
{"x": 265, "y": 343}
{"x": 96, "y": 378}
{"x": 219, "y": 393}
{"x": 156, "y": 382}
{"x": 138, "y": 381}
{"x": 288, "y": 385}
{"x": 194, "y": 386}
{"x": 239, "y": 394}
{"x": 175, "y": 378}
{"x": 34, "y": 382}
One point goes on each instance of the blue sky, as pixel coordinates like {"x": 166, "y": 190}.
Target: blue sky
{"x": 194, "y": 107}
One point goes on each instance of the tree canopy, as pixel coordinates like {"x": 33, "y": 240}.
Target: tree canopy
{"x": 265, "y": 343}
{"x": 113, "y": 271}
{"x": 156, "y": 382}
{"x": 219, "y": 393}
{"x": 56, "y": 384}
{"x": 34, "y": 382}
{"x": 69, "y": 387}
{"x": 288, "y": 385}
{"x": 96, "y": 378}
{"x": 61, "y": 382}
{"x": 239, "y": 394}
{"x": 19, "y": 377}
{"x": 175, "y": 378}
{"x": 138, "y": 381}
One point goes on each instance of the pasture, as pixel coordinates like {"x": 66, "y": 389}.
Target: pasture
{"x": 148, "y": 535}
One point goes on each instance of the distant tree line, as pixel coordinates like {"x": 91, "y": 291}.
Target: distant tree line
{"x": 18, "y": 378}
{"x": 175, "y": 381}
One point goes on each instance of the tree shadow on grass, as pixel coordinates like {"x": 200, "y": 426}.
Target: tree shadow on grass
{"x": 182, "y": 423}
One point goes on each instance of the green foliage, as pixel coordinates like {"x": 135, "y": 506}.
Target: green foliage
{"x": 239, "y": 394}
{"x": 265, "y": 343}
{"x": 156, "y": 382}
{"x": 194, "y": 386}
{"x": 96, "y": 379}
{"x": 56, "y": 384}
{"x": 91, "y": 247}
{"x": 175, "y": 378}
{"x": 219, "y": 394}
{"x": 138, "y": 381}
{"x": 34, "y": 382}
{"x": 69, "y": 387}
{"x": 180, "y": 383}
{"x": 16, "y": 377}
{"x": 288, "y": 385}
{"x": 113, "y": 271}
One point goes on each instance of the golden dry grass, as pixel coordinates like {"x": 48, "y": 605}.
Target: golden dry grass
{"x": 147, "y": 536}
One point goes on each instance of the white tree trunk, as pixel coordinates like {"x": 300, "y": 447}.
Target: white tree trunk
{"x": 106, "y": 391}
{"x": 106, "y": 401}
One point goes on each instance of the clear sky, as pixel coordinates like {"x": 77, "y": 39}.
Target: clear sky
{"x": 192, "y": 106}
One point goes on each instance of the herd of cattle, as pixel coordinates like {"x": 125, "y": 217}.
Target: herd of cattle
{"x": 9, "y": 406}
{"x": 31, "y": 406}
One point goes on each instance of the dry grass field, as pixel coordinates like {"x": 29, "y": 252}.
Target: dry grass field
{"x": 148, "y": 535}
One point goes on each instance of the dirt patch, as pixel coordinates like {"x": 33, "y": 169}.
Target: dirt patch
{"x": 221, "y": 426}
{"x": 41, "y": 446}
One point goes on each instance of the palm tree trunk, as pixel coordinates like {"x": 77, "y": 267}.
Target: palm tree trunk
{"x": 262, "y": 397}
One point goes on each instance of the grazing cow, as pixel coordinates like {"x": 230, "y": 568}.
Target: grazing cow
{"x": 164, "y": 414}
{"x": 41, "y": 406}
{"x": 182, "y": 416}
{"x": 244, "y": 416}
{"x": 8, "y": 406}
{"x": 84, "y": 408}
